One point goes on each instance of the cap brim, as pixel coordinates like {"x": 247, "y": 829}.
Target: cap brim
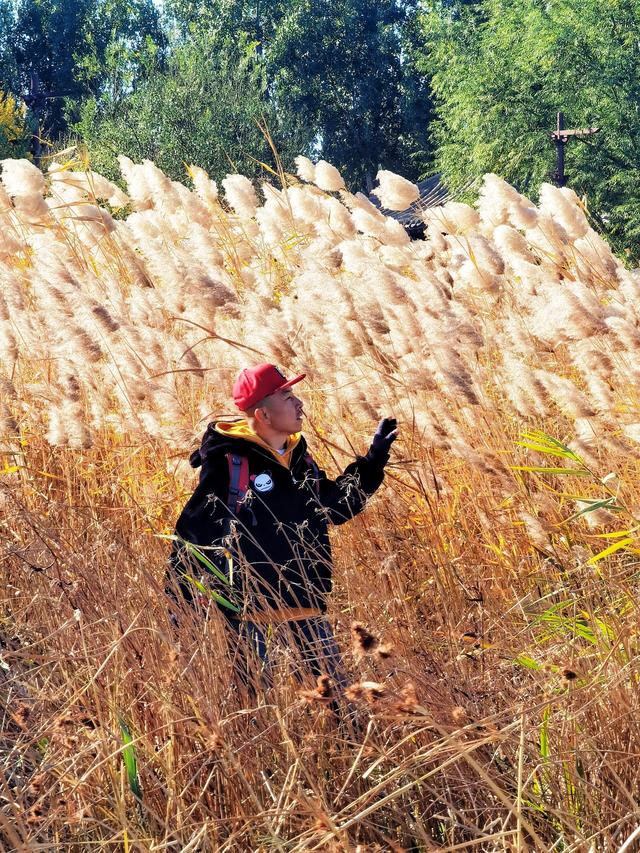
{"x": 291, "y": 382}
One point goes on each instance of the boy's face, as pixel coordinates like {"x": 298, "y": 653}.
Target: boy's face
{"x": 285, "y": 411}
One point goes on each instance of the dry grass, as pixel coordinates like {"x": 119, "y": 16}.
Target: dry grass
{"x": 502, "y": 713}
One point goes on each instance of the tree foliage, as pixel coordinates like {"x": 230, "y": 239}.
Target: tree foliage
{"x": 14, "y": 133}
{"x": 342, "y": 68}
{"x": 206, "y": 106}
{"x": 345, "y": 65}
{"x": 69, "y": 51}
{"x": 500, "y": 72}
{"x": 332, "y": 79}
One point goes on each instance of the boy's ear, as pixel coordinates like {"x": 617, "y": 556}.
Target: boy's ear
{"x": 262, "y": 415}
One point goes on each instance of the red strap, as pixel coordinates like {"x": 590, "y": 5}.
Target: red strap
{"x": 243, "y": 483}
{"x": 238, "y": 480}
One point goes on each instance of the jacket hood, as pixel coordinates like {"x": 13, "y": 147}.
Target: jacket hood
{"x": 231, "y": 434}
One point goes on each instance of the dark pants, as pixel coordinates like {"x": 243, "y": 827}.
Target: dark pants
{"x": 313, "y": 639}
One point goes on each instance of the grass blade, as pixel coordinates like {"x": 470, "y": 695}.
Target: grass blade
{"x": 541, "y": 448}
{"x": 542, "y": 469}
{"x": 617, "y": 546}
{"x": 129, "y": 758}
{"x": 593, "y": 505}
{"x": 211, "y": 593}
{"x": 545, "y": 752}
{"x": 199, "y": 555}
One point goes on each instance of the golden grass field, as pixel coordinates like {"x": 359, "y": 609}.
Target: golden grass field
{"x": 506, "y": 715}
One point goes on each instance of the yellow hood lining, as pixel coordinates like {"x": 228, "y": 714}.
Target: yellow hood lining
{"x": 241, "y": 429}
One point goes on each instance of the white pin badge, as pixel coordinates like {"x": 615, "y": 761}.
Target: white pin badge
{"x": 263, "y": 482}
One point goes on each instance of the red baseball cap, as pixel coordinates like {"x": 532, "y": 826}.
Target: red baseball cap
{"x": 256, "y": 383}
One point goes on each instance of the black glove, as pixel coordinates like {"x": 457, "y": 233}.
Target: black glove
{"x": 386, "y": 434}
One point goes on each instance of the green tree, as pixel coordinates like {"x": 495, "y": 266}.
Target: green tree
{"x": 8, "y": 69}
{"x": 205, "y": 106}
{"x": 253, "y": 20}
{"x": 346, "y": 66}
{"x": 55, "y": 54}
{"x": 501, "y": 70}
{"x": 343, "y": 68}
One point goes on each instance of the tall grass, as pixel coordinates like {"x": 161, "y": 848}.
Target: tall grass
{"x": 496, "y": 571}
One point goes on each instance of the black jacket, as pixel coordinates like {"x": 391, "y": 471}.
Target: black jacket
{"x": 275, "y": 551}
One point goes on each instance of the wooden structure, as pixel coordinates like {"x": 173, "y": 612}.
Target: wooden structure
{"x": 560, "y": 136}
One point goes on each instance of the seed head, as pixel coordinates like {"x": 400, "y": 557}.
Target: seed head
{"x": 395, "y": 192}
{"x": 370, "y": 691}
{"x": 459, "y": 715}
{"x": 364, "y": 642}
{"x": 21, "y": 715}
{"x": 385, "y": 651}
{"x": 407, "y": 701}
{"x": 305, "y": 169}
{"x": 323, "y": 691}
{"x": 327, "y": 177}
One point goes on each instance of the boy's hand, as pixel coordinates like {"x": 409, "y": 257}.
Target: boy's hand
{"x": 384, "y": 437}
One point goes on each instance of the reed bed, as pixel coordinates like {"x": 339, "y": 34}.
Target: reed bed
{"x": 486, "y": 601}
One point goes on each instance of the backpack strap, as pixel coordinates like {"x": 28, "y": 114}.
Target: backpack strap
{"x": 311, "y": 462}
{"x": 238, "y": 481}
